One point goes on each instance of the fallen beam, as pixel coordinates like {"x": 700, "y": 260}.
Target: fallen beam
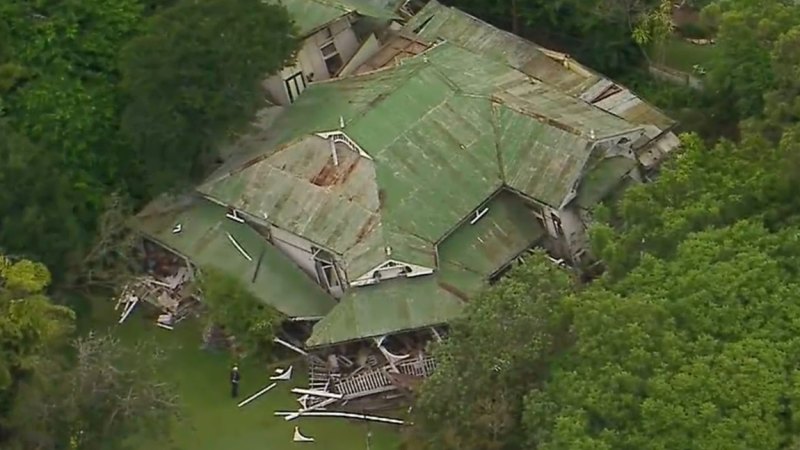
{"x": 256, "y": 395}
{"x": 290, "y": 346}
{"x": 239, "y": 247}
{"x": 315, "y": 393}
{"x": 305, "y": 410}
{"x": 344, "y": 415}
{"x": 128, "y": 309}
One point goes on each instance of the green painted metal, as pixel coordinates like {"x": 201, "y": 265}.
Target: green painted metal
{"x": 204, "y": 240}
{"x": 388, "y": 307}
{"x": 508, "y": 228}
{"x": 436, "y": 21}
{"x": 311, "y": 15}
{"x": 602, "y": 179}
{"x": 443, "y": 131}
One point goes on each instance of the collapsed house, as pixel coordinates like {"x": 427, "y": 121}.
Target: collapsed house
{"x": 332, "y": 33}
{"x": 375, "y": 205}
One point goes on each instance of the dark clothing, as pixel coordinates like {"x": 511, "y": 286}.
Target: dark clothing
{"x": 234, "y": 389}
{"x": 235, "y": 377}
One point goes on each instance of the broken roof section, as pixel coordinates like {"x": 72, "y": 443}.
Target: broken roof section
{"x": 388, "y": 307}
{"x": 205, "y": 238}
{"x": 500, "y": 231}
{"x": 439, "y": 22}
{"x": 446, "y": 127}
{"x": 311, "y": 15}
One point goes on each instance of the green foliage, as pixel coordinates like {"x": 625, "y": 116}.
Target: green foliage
{"x": 41, "y": 211}
{"x": 30, "y": 327}
{"x": 193, "y": 75}
{"x": 702, "y": 188}
{"x": 232, "y": 307}
{"x": 691, "y": 352}
{"x": 748, "y": 35}
{"x": 694, "y": 30}
{"x": 98, "y": 402}
{"x": 494, "y": 355}
{"x": 599, "y": 33}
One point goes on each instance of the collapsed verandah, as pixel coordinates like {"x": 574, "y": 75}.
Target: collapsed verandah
{"x": 204, "y": 235}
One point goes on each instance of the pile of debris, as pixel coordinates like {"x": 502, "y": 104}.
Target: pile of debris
{"x": 321, "y": 399}
{"x": 367, "y": 380}
{"x": 175, "y": 296}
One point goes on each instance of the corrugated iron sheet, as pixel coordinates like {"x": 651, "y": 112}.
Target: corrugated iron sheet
{"x": 442, "y": 22}
{"x": 203, "y": 239}
{"x": 444, "y": 130}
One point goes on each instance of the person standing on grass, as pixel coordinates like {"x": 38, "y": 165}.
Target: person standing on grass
{"x": 235, "y": 377}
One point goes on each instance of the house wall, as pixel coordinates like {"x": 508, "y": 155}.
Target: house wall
{"x": 296, "y": 248}
{"x": 575, "y": 232}
{"x": 310, "y": 60}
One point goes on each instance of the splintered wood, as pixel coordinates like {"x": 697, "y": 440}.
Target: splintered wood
{"x": 173, "y": 295}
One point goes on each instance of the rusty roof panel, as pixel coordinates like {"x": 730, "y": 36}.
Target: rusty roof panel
{"x": 566, "y": 75}
{"x": 436, "y": 128}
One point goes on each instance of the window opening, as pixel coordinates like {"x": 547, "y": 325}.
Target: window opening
{"x": 557, "y": 224}
{"x": 295, "y": 84}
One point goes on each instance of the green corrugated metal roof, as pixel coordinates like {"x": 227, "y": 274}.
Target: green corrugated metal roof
{"x": 507, "y": 229}
{"x": 311, "y": 15}
{"x": 602, "y": 179}
{"x": 444, "y": 130}
{"x": 438, "y": 21}
{"x": 204, "y": 240}
{"x": 388, "y": 307}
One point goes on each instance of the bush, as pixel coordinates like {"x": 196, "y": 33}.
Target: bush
{"x": 693, "y": 30}
{"x": 233, "y": 308}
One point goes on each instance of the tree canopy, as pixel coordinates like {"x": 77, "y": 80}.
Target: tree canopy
{"x": 122, "y": 99}
{"x": 193, "y": 74}
{"x": 494, "y": 355}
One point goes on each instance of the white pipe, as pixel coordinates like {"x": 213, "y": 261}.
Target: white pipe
{"x": 315, "y": 393}
{"x": 305, "y": 410}
{"x": 238, "y": 247}
{"x": 345, "y": 415}
{"x": 256, "y": 395}
{"x": 290, "y": 346}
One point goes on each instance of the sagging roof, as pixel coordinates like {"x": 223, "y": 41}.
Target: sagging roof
{"x": 401, "y": 304}
{"x": 601, "y": 179}
{"x": 475, "y": 251}
{"x": 311, "y": 15}
{"x": 467, "y": 257}
{"x": 397, "y": 48}
{"x": 203, "y": 238}
{"x": 436, "y": 22}
{"x": 439, "y": 134}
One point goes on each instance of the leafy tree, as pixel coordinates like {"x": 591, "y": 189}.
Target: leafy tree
{"x": 238, "y": 312}
{"x": 494, "y": 355}
{"x": 30, "y": 327}
{"x": 99, "y": 401}
{"x": 60, "y": 150}
{"x": 598, "y": 32}
{"x": 692, "y": 352}
{"x": 703, "y": 187}
{"x": 750, "y": 33}
{"x": 193, "y": 75}
{"x": 41, "y": 213}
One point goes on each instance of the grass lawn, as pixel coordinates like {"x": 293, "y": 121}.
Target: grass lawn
{"x": 211, "y": 420}
{"x": 681, "y": 55}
